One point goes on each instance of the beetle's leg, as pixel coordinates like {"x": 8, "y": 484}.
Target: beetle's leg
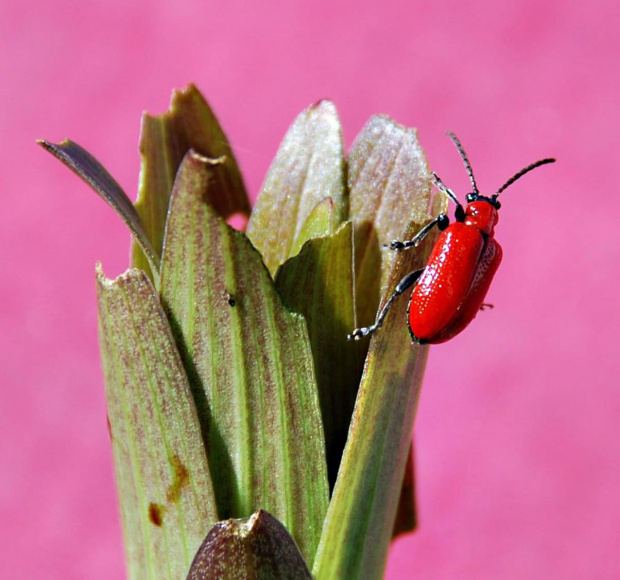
{"x": 485, "y": 305}
{"x": 414, "y": 338}
{"x": 444, "y": 188}
{"x": 407, "y": 282}
{"x": 441, "y": 221}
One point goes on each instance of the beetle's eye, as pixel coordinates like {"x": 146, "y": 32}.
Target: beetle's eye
{"x": 470, "y": 197}
{"x": 497, "y": 205}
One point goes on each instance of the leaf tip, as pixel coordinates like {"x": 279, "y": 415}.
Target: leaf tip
{"x": 184, "y": 95}
{"x": 129, "y": 275}
{"x": 49, "y": 147}
{"x": 326, "y": 111}
{"x": 324, "y": 105}
{"x": 55, "y": 149}
{"x": 103, "y": 282}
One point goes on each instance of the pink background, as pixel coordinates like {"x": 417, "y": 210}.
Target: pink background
{"x": 517, "y": 432}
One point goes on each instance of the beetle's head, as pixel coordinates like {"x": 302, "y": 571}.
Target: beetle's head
{"x": 481, "y": 212}
{"x": 473, "y": 197}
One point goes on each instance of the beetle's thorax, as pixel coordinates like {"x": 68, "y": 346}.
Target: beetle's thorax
{"x": 481, "y": 214}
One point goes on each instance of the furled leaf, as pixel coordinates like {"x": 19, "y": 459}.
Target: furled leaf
{"x": 250, "y": 365}
{"x": 308, "y": 168}
{"x": 258, "y": 548}
{"x": 389, "y": 184}
{"x": 386, "y": 163}
{"x": 319, "y": 223}
{"x": 318, "y": 283}
{"x": 165, "y": 139}
{"x": 97, "y": 177}
{"x": 166, "y": 496}
{"x": 362, "y": 512}
{"x": 406, "y": 514}
{"x": 389, "y": 181}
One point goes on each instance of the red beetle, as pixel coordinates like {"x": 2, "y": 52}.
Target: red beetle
{"x": 450, "y": 290}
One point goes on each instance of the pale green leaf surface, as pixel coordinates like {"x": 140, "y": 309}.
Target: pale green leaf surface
{"x": 83, "y": 164}
{"x": 362, "y": 511}
{"x": 166, "y": 496}
{"x": 406, "y": 516}
{"x": 318, "y": 283}
{"x": 389, "y": 185}
{"x": 257, "y": 548}
{"x": 308, "y": 167}
{"x": 319, "y": 223}
{"x": 164, "y": 140}
{"x": 386, "y": 164}
{"x": 250, "y": 365}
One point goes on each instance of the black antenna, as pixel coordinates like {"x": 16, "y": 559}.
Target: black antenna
{"x": 465, "y": 161}
{"x": 522, "y": 173}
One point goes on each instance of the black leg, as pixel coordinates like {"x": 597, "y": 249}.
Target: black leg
{"x": 407, "y": 282}
{"x": 441, "y": 221}
{"x": 485, "y": 305}
{"x": 414, "y": 338}
{"x": 443, "y": 188}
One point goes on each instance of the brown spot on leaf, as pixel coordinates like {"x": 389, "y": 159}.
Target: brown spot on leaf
{"x": 156, "y": 514}
{"x": 180, "y": 478}
{"x": 109, "y": 425}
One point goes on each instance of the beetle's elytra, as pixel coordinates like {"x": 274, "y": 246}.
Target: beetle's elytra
{"x": 450, "y": 290}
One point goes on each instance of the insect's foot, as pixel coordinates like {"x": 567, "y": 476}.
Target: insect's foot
{"x": 358, "y": 333}
{"x": 394, "y": 245}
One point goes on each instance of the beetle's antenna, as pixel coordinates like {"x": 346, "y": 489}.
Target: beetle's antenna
{"x": 522, "y": 173}
{"x": 470, "y": 172}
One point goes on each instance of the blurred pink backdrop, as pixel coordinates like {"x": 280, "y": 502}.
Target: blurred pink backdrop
{"x": 518, "y": 452}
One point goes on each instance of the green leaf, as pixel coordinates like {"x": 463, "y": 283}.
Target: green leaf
{"x": 389, "y": 185}
{"x": 361, "y": 515}
{"x": 406, "y": 514}
{"x": 389, "y": 181}
{"x": 259, "y": 547}
{"x": 82, "y": 163}
{"x": 165, "y": 139}
{"x": 308, "y": 168}
{"x": 319, "y": 223}
{"x": 318, "y": 283}
{"x": 250, "y": 365}
{"x": 166, "y": 496}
